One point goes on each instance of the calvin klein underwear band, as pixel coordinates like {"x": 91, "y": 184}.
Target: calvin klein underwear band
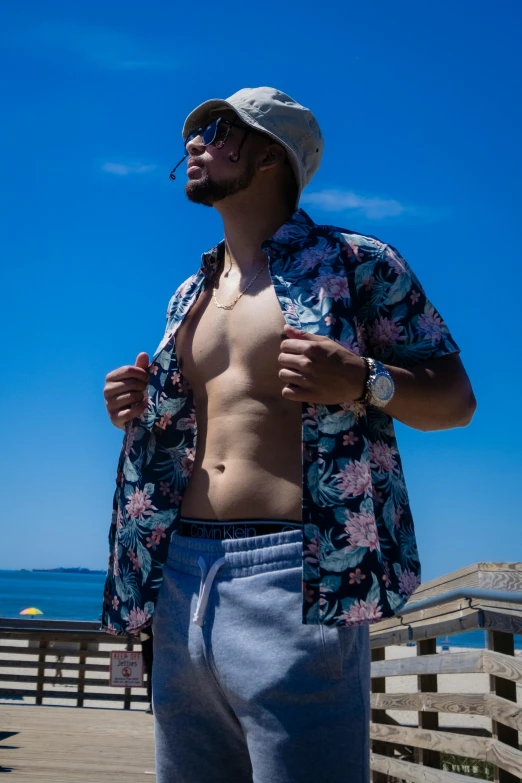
{"x": 220, "y": 530}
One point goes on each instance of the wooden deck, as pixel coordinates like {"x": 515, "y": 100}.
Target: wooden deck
{"x": 437, "y": 716}
{"x": 71, "y": 745}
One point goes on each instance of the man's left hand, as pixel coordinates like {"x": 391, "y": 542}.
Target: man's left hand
{"x": 317, "y": 369}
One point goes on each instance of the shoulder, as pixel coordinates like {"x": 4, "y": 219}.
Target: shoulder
{"x": 365, "y": 249}
{"x": 357, "y": 247}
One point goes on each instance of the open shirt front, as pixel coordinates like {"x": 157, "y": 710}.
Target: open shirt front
{"x": 360, "y": 559}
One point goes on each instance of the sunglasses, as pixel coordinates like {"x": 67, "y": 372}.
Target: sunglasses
{"x": 215, "y": 133}
{"x": 217, "y": 129}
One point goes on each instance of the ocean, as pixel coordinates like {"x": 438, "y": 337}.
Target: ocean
{"x": 80, "y": 597}
{"x": 58, "y": 596}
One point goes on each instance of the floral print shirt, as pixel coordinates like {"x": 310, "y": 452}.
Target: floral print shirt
{"x": 360, "y": 559}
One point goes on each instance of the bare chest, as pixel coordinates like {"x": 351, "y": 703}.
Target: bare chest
{"x": 244, "y": 341}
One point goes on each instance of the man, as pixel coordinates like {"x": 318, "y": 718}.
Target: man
{"x": 261, "y": 517}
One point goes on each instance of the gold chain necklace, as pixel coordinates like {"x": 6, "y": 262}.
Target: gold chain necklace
{"x": 238, "y": 297}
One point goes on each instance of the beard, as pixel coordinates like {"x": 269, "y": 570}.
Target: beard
{"x": 208, "y": 191}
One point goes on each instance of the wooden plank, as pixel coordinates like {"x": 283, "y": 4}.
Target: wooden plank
{"x": 414, "y": 773}
{"x": 457, "y": 620}
{"x": 471, "y": 661}
{"x": 464, "y": 577}
{"x": 54, "y": 681}
{"x": 35, "y": 624}
{"x": 67, "y": 745}
{"x": 452, "y": 703}
{"x": 447, "y": 742}
{"x": 51, "y": 635}
{"x": 32, "y": 651}
{"x": 507, "y": 759}
{"x": 507, "y": 619}
{"x": 507, "y": 666}
{"x": 502, "y": 580}
{"x": 453, "y": 615}
{"x": 451, "y": 663}
{"x": 503, "y": 606}
{"x": 503, "y": 711}
{"x": 439, "y": 623}
{"x": 482, "y": 748}
{"x": 69, "y": 642}
{"x": 55, "y": 694}
{"x": 511, "y": 566}
{"x": 441, "y": 582}
{"x": 76, "y": 667}
{"x": 497, "y": 576}
{"x": 103, "y": 682}
{"x": 487, "y": 704}
{"x": 397, "y": 634}
{"x": 433, "y": 613}
{"x": 461, "y": 614}
{"x": 458, "y": 616}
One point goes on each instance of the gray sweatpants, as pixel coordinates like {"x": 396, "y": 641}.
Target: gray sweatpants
{"x": 243, "y": 691}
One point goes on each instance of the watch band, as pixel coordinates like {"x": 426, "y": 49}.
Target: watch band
{"x": 365, "y": 397}
{"x": 375, "y": 370}
{"x": 372, "y": 368}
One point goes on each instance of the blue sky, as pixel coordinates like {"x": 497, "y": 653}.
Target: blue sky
{"x": 420, "y": 110}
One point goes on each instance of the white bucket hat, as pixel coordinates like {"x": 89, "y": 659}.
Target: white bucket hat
{"x": 272, "y": 112}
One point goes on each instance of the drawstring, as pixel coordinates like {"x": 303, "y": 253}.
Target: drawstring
{"x": 205, "y": 587}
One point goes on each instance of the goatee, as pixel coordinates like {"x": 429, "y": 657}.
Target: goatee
{"x": 207, "y": 191}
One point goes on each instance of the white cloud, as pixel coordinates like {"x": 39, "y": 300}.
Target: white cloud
{"x": 372, "y": 207}
{"x": 99, "y": 46}
{"x": 123, "y": 169}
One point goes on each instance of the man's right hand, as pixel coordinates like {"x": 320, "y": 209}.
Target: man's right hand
{"x": 124, "y": 391}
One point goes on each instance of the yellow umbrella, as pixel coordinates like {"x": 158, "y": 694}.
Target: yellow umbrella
{"x": 32, "y": 611}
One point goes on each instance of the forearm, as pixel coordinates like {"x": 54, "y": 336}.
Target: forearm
{"x": 436, "y": 395}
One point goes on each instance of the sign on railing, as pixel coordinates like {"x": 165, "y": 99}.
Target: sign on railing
{"x": 126, "y": 669}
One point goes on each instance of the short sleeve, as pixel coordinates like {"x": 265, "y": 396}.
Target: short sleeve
{"x": 396, "y": 322}
{"x": 176, "y": 304}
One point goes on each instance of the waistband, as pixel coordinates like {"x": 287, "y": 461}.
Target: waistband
{"x": 221, "y": 529}
{"x": 243, "y": 556}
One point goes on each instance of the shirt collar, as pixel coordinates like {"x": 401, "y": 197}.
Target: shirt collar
{"x": 293, "y": 232}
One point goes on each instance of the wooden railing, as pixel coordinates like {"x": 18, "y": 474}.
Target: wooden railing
{"x": 410, "y": 744}
{"x": 414, "y": 743}
{"x": 30, "y": 667}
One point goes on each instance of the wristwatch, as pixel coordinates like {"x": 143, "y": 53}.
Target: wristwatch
{"x": 380, "y": 387}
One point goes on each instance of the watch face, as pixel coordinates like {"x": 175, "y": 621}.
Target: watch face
{"x": 382, "y": 388}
